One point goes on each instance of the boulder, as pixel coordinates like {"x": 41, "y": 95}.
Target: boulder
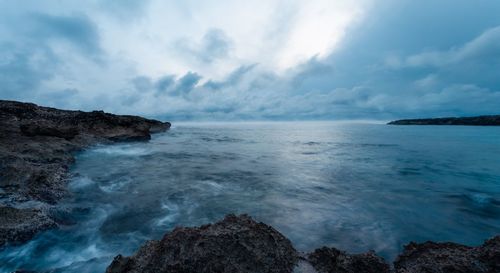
{"x": 235, "y": 244}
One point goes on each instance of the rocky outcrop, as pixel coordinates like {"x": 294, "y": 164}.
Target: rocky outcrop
{"x": 331, "y": 260}
{"x": 36, "y": 150}
{"x": 15, "y": 227}
{"x": 240, "y": 244}
{"x": 235, "y": 244}
{"x": 433, "y": 257}
{"x": 473, "y": 121}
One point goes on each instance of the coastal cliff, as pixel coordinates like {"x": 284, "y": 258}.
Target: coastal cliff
{"x": 471, "y": 121}
{"x": 36, "y": 149}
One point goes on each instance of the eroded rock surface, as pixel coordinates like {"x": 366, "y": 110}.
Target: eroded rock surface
{"x": 36, "y": 149}
{"x": 331, "y": 260}
{"x": 430, "y": 257}
{"x": 235, "y": 244}
{"x": 14, "y": 226}
{"x": 240, "y": 244}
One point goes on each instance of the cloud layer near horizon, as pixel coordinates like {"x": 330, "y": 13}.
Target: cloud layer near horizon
{"x": 279, "y": 60}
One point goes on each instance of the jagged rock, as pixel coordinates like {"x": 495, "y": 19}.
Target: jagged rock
{"x": 430, "y": 257}
{"x": 235, "y": 244}
{"x": 22, "y": 224}
{"x": 36, "y": 149}
{"x": 477, "y": 121}
{"x": 239, "y": 244}
{"x": 331, "y": 260}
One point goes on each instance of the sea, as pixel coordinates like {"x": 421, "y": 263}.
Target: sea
{"x": 354, "y": 186}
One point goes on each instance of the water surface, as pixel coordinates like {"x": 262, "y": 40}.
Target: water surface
{"x": 352, "y": 186}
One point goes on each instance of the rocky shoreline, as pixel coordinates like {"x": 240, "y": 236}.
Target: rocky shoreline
{"x": 240, "y": 244}
{"x": 37, "y": 145}
{"x": 470, "y": 121}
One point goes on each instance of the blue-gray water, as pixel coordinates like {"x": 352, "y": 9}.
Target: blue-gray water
{"x": 352, "y": 186}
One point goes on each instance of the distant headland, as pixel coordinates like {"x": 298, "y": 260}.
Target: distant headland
{"x": 493, "y": 120}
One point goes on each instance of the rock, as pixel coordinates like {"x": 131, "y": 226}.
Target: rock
{"x": 36, "y": 149}
{"x": 430, "y": 257}
{"x": 20, "y": 225}
{"x": 235, "y": 244}
{"x": 239, "y": 244}
{"x": 476, "y": 121}
{"x": 47, "y": 129}
{"x": 331, "y": 260}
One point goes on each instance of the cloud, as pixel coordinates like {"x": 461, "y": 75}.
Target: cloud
{"x": 76, "y": 29}
{"x": 142, "y": 84}
{"x": 214, "y": 45}
{"x": 164, "y": 83}
{"x": 253, "y": 61}
{"x": 22, "y": 70}
{"x": 186, "y": 83}
{"x": 485, "y": 47}
{"x": 125, "y": 10}
{"x": 233, "y": 78}
{"x": 34, "y": 50}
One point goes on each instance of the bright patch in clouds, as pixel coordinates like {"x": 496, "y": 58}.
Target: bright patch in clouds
{"x": 318, "y": 28}
{"x": 254, "y": 60}
{"x": 215, "y": 37}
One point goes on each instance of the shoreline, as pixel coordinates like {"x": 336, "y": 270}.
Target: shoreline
{"x": 241, "y": 244}
{"x": 39, "y": 145}
{"x": 37, "y": 148}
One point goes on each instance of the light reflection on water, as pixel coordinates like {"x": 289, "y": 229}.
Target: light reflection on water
{"x": 353, "y": 186}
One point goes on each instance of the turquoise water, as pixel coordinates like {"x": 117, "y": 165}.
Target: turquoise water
{"x": 352, "y": 186}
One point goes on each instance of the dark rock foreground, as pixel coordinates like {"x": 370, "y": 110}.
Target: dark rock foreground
{"x": 235, "y": 244}
{"x": 36, "y": 149}
{"x": 327, "y": 260}
{"x": 240, "y": 244}
{"x": 450, "y": 257}
{"x": 472, "y": 121}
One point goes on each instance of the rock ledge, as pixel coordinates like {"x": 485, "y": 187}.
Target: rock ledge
{"x": 36, "y": 149}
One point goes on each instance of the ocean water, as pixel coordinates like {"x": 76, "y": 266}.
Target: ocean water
{"x": 352, "y": 186}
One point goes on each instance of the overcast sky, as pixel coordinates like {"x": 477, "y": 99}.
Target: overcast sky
{"x": 254, "y": 60}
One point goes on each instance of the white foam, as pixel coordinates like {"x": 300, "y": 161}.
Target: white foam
{"x": 209, "y": 187}
{"x": 81, "y": 182}
{"x": 304, "y": 267}
{"x": 122, "y": 150}
{"x": 171, "y": 216}
{"x": 115, "y": 185}
{"x": 480, "y": 198}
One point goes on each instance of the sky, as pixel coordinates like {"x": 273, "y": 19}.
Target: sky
{"x": 254, "y": 60}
